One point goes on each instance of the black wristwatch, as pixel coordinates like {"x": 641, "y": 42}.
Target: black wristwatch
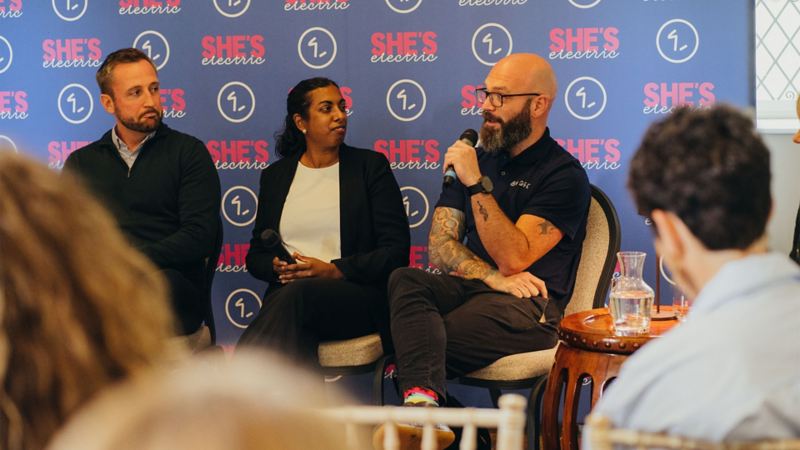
{"x": 484, "y": 186}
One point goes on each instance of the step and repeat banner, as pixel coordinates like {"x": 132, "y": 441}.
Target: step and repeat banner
{"x": 408, "y": 70}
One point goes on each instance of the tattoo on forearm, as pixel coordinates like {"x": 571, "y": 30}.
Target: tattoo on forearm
{"x": 545, "y": 227}
{"x": 483, "y": 211}
{"x": 446, "y": 249}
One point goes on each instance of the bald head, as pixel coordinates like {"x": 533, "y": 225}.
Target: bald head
{"x": 526, "y": 71}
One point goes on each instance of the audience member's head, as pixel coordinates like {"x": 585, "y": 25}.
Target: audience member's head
{"x": 79, "y": 308}
{"x": 254, "y": 402}
{"x": 703, "y": 177}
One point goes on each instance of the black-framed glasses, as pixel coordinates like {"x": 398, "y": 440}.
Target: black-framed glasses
{"x": 496, "y": 98}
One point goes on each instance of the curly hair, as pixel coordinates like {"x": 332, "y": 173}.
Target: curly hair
{"x": 79, "y": 308}
{"x": 290, "y": 141}
{"x": 710, "y": 168}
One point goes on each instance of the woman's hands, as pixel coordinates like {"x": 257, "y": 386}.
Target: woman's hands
{"x": 306, "y": 267}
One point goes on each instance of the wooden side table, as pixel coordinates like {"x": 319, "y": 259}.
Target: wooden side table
{"x": 588, "y": 348}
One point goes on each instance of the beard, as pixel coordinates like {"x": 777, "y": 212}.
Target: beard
{"x": 141, "y": 124}
{"x": 510, "y": 133}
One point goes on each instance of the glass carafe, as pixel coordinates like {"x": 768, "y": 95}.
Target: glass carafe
{"x": 631, "y": 299}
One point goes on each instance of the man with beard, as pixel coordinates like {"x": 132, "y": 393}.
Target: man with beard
{"x": 521, "y": 201}
{"x": 160, "y": 184}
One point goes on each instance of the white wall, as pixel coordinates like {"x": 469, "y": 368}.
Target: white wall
{"x": 785, "y": 161}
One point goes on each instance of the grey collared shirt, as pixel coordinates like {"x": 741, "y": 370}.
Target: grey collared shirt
{"x": 731, "y": 372}
{"x": 128, "y": 155}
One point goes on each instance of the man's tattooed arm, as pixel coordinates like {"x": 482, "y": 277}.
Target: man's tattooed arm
{"x": 446, "y": 249}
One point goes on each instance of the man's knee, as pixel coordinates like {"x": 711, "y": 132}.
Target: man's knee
{"x": 403, "y": 281}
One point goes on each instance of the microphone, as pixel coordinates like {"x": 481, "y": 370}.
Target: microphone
{"x": 469, "y": 137}
{"x": 273, "y": 242}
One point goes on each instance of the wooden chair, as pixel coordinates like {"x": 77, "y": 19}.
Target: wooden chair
{"x": 509, "y": 421}
{"x": 596, "y": 267}
{"x": 603, "y": 436}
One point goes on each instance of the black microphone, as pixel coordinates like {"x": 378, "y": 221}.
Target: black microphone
{"x": 470, "y": 137}
{"x": 273, "y": 242}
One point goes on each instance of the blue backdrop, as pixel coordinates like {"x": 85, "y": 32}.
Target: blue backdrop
{"x": 408, "y": 70}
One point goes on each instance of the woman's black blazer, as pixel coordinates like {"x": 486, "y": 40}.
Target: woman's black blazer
{"x": 375, "y": 237}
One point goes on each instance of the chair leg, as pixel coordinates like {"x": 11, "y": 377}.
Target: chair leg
{"x": 534, "y": 413}
{"x": 377, "y": 379}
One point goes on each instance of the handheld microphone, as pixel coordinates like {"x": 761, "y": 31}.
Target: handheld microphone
{"x": 273, "y": 242}
{"x": 469, "y": 137}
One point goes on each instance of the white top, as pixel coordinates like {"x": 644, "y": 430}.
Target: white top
{"x": 731, "y": 372}
{"x": 310, "y": 219}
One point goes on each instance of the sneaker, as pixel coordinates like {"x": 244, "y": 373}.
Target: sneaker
{"x": 410, "y": 436}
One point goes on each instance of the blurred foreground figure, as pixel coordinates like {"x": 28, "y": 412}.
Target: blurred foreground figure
{"x": 732, "y": 371}
{"x": 257, "y": 401}
{"x": 79, "y": 308}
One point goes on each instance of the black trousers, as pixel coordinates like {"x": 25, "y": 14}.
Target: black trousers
{"x": 445, "y": 326}
{"x": 188, "y": 300}
{"x": 296, "y": 317}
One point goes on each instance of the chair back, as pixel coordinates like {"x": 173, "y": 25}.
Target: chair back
{"x": 603, "y": 436}
{"x": 600, "y": 248}
{"x": 795, "y": 255}
{"x": 509, "y": 420}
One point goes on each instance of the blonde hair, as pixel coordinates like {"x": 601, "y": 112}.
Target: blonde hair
{"x": 257, "y": 401}
{"x": 79, "y": 308}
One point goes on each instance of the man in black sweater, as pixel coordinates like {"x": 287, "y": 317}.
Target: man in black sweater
{"x": 161, "y": 185}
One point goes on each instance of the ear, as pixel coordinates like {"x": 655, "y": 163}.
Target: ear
{"x": 669, "y": 241}
{"x": 107, "y": 102}
{"x": 540, "y": 105}
{"x": 299, "y": 122}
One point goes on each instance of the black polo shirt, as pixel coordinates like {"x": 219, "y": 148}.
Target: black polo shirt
{"x": 545, "y": 181}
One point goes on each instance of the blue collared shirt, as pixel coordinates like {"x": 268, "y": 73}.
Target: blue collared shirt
{"x": 731, "y": 372}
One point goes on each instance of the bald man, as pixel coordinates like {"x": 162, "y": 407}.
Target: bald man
{"x": 521, "y": 202}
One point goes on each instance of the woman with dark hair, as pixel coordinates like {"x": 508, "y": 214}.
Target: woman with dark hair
{"x": 340, "y": 215}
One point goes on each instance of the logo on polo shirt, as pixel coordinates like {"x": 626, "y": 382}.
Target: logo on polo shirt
{"x": 239, "y": 206}
{"x": 59, "y": 151}
{"x": 173, "y": 102}
{"x": 155, "y": 45}
{"x": 661, "y": 98}
{"x": 231, "y": 8}
{"x": 242, "y": 306}
{"x": 677, "y": 41}
{"x": 406, "y": 100}
{"x": 404, "y": 46}
{"x": 6, "y": 54}
{"x": 240, "y": 49}
{"x": 491, "y": 42}
{"x": 140, "y": 7}
{"x": 6, "y": 144}
{"x": 236, "y": 102}
{"x": 317, "y": 47}
{"x": 403, "y": 6}
{"x": 584, "y": 4}
{"x": 584, "y": 43}
{"x": 10, "y": 9}
{"x": 68, "y": 53}
{"x": 239, "y": 154}
{"x": 232, "y": 258}
{"x": 491, "y": 2}
{"x": 416, "y": 204}
{"x": 469, "y": 100}
{"x": 594, "y": 153}
{"x": 412, "y": 154}
{"x": 315, "y": 5}
{"x": 75, "y": 103}
{"x": 13, "y": 105}
{"x": 585, "y": 98}
{"x": 70, "y": 10}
